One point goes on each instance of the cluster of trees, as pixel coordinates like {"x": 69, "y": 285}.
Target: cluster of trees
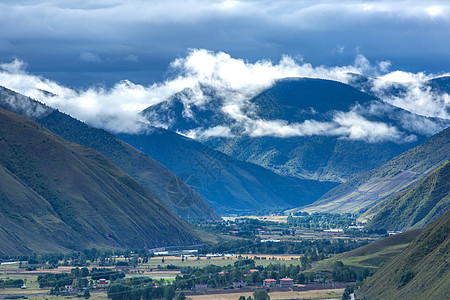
{"x": 258, "y": 295}
{"x": 58, "y": 281}
{"x": 322, "y": 246}
{"x": 11, "y": 283}
{"x": 320, "y": 220}
{"x": 247, "y": 227}
{"x": 344, "y": 273}
{"x": 215, "y": 276}
{"x": 126, "y": 290}
{"x": 83, "y": 258}
{"x": 108, "y": 274}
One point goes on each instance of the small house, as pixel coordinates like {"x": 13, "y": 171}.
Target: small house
{"x": 238, "y": 285}
{"x": 200, "y": 287}
{"x": 286, "y": 282}
{"x": 102, "y": 282}
{"x": 269, "y": 282}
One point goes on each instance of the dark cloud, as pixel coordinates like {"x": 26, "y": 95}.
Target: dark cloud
{"x": 52, "y": 36}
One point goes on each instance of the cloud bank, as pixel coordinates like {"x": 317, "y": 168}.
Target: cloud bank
{"x": 236, "y": 81}
{"x": 105, "y": 38}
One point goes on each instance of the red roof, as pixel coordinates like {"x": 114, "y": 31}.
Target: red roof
{"x": 286, "y": 279}
{"x": 269, "y": 280}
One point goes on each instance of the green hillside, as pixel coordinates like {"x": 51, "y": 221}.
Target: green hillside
{"x": 58, "y": 195}
{"x": 397, "y": 174}
{"x": 183, "y": 200}
{"x": 415, "y": 207}
{"x": 375, "y": 254}
{"x": 421, "y": 271}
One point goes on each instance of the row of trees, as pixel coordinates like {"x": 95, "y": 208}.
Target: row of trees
{"x": 321, "y": 220}
{"x": 319, "y": 246}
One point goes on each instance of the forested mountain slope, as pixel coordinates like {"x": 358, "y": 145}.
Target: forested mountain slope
{"x": 58, "y": 195}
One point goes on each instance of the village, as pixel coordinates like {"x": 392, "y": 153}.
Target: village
{"x": 266, "y": 254}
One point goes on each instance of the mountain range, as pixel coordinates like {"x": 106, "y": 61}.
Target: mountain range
{"x": 308, "y": 128}
{"x": 56, "y": 195}
{"x": 183, "y": 200}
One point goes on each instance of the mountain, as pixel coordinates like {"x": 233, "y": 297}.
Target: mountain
{"x": 58, "y": 195}
{"x": 415, "y": 207}
{"x": 144, "y": 169}
{"x": 225, "y": 182}
{"x": 397, "y": 174}
{"x": 307, "y": 128}
{"x": 421, "y": 271}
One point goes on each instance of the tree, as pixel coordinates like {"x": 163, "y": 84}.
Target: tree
{"x": 349, "y": 289}
{"x": 87, "y": 294}
{"x": 261, "y": 295}
{"x": 181, "y": 296}
{"x": 118, "y": 291}
{"x": 169, "y": 292}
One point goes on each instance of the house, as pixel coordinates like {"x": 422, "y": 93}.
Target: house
{"x": 200, "y": 287}
{"x": 254, "y": 270}
{"x": 269, "y": 282}
{"x": 238, "y": 285}
{"x": 286, "y": 282}
{"x": 69, "y": 289}
{"x": 102, "y": 283}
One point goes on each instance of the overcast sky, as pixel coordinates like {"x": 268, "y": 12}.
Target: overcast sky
{"x": 81, "y": 44}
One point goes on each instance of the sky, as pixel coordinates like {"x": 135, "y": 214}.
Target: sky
{"x": 106, "y": 61}
{"x": 84, "y": 43}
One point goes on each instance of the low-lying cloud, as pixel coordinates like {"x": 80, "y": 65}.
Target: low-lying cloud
{"x": 236, "y": 81}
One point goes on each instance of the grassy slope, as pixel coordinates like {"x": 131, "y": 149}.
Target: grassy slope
{"x": 394, "y": 176}
{"x": 415, "y": 207}
{"x": 27, "y": 220}
{"x": 375, "y": 254}
{"x": 426, "y": 260}
{"x": 148, "y": 172}
{"x": 80, "y": 197}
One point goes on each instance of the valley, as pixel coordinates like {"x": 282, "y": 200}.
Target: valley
{"x": 228, "y": 149}
{"x": 212, "y": 225}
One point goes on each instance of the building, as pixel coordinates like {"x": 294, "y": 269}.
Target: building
{"x": 201, "y": 287}
{"x": 269, "y": 282}
{"x": 69, "y": 289}
{"x": 102, "y": 283}
{"x": 286, "y": 282}
{"x": 238, "y": 285}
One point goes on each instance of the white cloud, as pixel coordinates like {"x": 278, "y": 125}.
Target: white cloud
{"x": 415, "y": 96}
{"x": 234, "y": 81}
{"x": 201, "y": 133}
